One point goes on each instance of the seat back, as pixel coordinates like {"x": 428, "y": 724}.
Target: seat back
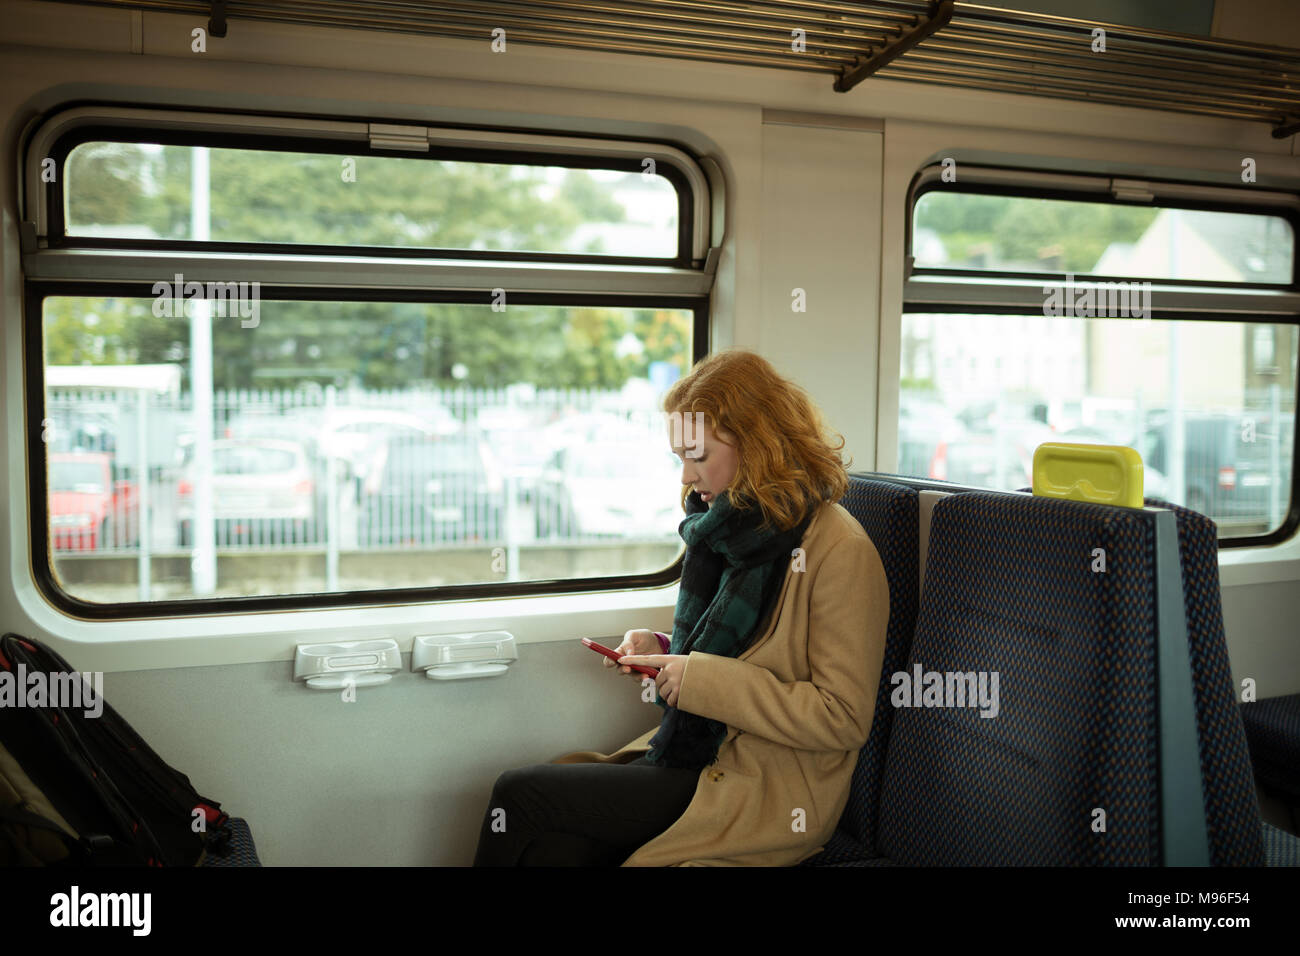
{"x": 1066, "y": 772}
{"x": 888, "y": 513}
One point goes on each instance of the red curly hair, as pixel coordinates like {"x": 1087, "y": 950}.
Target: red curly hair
{"x": 786, "y": 464}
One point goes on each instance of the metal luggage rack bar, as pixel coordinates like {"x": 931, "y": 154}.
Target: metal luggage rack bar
{"x": 966, "y": 45}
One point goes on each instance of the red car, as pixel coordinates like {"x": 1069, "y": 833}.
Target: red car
{"x": 89, "y": 511}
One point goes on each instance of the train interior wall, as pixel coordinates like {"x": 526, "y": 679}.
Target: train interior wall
{"x": 815, "y": 198}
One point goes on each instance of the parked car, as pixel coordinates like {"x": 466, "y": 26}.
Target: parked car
{"x": 614, "y": 488}
{"x": 1227, "y": 469}
{"x": 591, "y": 427}
{"x": 357, "y": 437}
{"x": 519, "y": 444}
{"x": 1001, "y": 460}
{"x": 425, "y": 490}
{"x": 302, "y": 426}
{"x": 296, "y": 425}
{"x": 89, "y": 510}
{"x": 263, "y": 492}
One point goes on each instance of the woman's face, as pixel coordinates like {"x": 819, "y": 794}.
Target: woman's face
{"x": 708, "y": 463}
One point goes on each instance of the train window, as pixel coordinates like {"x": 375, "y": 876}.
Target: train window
{"x": 135, "y": 191}
{"x": 1197, "y": 370}
{"x": 978, "y": 232}
{"x": 240, "y": 399}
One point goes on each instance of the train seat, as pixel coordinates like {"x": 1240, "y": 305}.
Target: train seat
{"x": 1281, "y": 848}
{"x": 241, "y": 851}
{"x": 1232, "y": 811}
{"x": 1068, "y": 772}
{"x": 1272, "y": 727}
{"x": 888, "y": 513}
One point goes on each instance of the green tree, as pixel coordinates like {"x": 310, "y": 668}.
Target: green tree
{"x": 1021, "y": 230}
{"x": 321, "y": 199}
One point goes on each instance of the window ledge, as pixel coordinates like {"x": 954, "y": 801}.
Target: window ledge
{"x": 241, "y": 639}
{"x": 1263, "y": 565}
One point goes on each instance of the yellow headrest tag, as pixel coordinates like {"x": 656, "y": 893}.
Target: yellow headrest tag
{"x": 1101, "y": 474}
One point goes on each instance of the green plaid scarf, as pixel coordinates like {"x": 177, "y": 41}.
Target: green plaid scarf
{"x": 731, "y": 578}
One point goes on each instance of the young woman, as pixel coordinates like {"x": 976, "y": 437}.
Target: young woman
{"x": 769, "y": 680}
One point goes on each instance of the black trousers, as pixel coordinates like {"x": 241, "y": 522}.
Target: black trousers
{"x": 580, "y": 814}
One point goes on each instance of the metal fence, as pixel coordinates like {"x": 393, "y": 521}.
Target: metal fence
{"x": 360, "y": 470}
{"x": 325, "y": 469}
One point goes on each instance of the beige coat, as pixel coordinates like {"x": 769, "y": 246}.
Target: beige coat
{"x": 797, "y": 704}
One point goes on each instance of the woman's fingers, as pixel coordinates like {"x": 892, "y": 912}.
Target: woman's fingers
{"x": 650, "y": 660}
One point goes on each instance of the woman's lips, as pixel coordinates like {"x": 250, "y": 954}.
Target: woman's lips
{"x": 706, "y": 497}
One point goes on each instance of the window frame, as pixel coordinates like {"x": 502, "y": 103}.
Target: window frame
{"x": 1037, "y": 184}
{"x": 949, "y": 291}
{"x": 57, "y": 265}
{"x": 58, "y": 135}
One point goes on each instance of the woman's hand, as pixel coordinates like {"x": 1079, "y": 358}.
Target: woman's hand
{"x": 640, "y": 641}
{"x": 672, "y": 668}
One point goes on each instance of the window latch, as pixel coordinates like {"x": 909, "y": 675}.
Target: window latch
{"x": 1131, "y": 190}
{"x": 411, "y": 138}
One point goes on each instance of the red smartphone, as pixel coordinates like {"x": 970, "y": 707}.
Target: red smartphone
{"x": 615, "y": 655}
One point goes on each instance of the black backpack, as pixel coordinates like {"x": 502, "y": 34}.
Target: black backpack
{"x": 124, "y": 804}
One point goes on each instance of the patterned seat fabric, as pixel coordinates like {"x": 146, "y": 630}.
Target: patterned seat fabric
{"x": 1232, "y": 817}
{"x": 889, "y": 514}
{"x": 241, "y": 852}
{"x": 1273, "y": 730}
{"x": 1280, "y": 848}
{"x": 1011, "y": 591}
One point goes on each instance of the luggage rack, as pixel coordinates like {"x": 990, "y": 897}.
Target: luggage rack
{"x": 965, "y": 45}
